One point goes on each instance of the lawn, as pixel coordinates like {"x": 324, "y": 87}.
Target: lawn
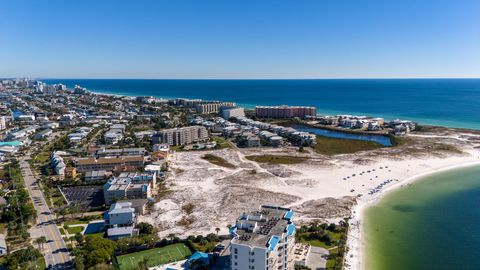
{"x": 76, "y": 229}
{"x": 42, "y": 158}
{"x": 82, "y": 220}
{"x": 277, "y": 159}
{"x": 335, "y": 236}
{"x": 218, "y": 161}
{"x": 156, "y": 256}
{"x": 332, "y": 259}
{"x": 221, "y": 143}
{"x": 334, "y": 146}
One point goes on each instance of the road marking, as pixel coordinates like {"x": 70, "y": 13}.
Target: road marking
{"x": 44, "y": 218}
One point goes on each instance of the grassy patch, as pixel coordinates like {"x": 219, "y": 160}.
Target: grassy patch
{"x": 334, "y": 236}
{"x": 62, "y": 231}
{"x": 221, "y": 143}
{"x": 75, "y": 221}
{"x": 331, "y": 237}
{"x": 42, "y": 158}
{"x": 334, "y": 260}
{"x": 397, "y": 140}
{"x": 218, "y": 161}
{"x": 277, "y": 159}
{"x": 334, "y": 146}
{"x": 155, "y": 256}
{"x": 74, "y": 230}
{"x": 205, "y": 247}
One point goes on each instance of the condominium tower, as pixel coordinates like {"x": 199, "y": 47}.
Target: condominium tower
{"x": 181, "y": 136}
{"x": 263, "y": 239}
{"x": 284, "y": 111}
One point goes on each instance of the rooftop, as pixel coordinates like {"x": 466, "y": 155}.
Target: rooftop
{"x": 264, "y": 227}
{"x": 108, "y": 160}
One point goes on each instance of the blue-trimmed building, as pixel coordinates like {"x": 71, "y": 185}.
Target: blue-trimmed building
{"x": 263, "y": 239}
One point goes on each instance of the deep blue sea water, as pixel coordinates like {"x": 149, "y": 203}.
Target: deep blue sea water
{"x": 446, "y": 102}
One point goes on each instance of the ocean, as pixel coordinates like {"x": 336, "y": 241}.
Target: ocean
{"x": 445, "y": 102}
{"x": 433, "y": 223}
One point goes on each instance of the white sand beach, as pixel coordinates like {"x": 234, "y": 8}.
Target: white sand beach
{"x": 355, "y": 258}
{"x": 323, "y": 188}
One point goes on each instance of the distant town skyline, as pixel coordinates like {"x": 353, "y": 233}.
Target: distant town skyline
{"x": 240, "y": 39}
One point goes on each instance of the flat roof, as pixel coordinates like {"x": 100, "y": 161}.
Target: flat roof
{"x": 107, "y": 160}
{"x": 120, "y": 231}
{"x": 270, "y": 223}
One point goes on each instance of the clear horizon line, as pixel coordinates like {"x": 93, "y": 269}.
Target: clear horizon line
{"x": 252, "y": 79}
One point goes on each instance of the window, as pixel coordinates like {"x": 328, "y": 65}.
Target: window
{"x": 235, "y": 251}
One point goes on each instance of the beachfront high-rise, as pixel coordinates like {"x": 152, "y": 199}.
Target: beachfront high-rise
{"x": 181, "y": 136}
{"x": 285, "y": 111}
{"x": 263, "y": 239}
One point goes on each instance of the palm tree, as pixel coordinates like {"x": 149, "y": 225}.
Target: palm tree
{"x": 40, "y": 241}
{"x": 171, "y": 236}
{"x": 217, "y": 230}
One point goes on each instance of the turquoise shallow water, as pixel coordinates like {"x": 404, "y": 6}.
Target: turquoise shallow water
{"x": 446, "y": 102}
{"x": 433, "y": 223}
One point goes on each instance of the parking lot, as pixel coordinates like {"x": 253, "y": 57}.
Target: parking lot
{"x": 85, "y": 196}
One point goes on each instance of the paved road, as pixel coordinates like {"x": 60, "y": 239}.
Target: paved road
{"x": 56, "y": 252}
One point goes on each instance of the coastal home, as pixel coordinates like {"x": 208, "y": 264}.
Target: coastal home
{"x": 116, "y": 233}
{"x": 3, "y": 245}
{"x": 120, "y": 214}
{"x": 328, "y": 120}
{"x": 58, "y": 164}
{"x": 43, "y": 134}
{"x": 248, "y": 139}
{"x": 115, "y": 134}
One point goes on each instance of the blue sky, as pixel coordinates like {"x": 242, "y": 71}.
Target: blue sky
{"x": 240, "y": 39}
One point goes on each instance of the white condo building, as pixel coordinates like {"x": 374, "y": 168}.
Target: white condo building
{"x": 263, "y": 239}
{"x": 181, "y": 136}
{"x": 3, "y": 123}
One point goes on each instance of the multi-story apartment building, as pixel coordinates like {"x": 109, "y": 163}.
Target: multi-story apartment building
{"x": 124, "y": 188}
{"x": 148, "y": 177}
{"x": 227, "y": 113}
{"x": 3, "y": 122}
{"x": 263, "y": 239}
{"x": 107, "y": 163}
{"x": 102, "y": 152}
{"x": 212, "y": 107}
{"x": 284, "y": 111}
{"x": 181, "y": 136}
